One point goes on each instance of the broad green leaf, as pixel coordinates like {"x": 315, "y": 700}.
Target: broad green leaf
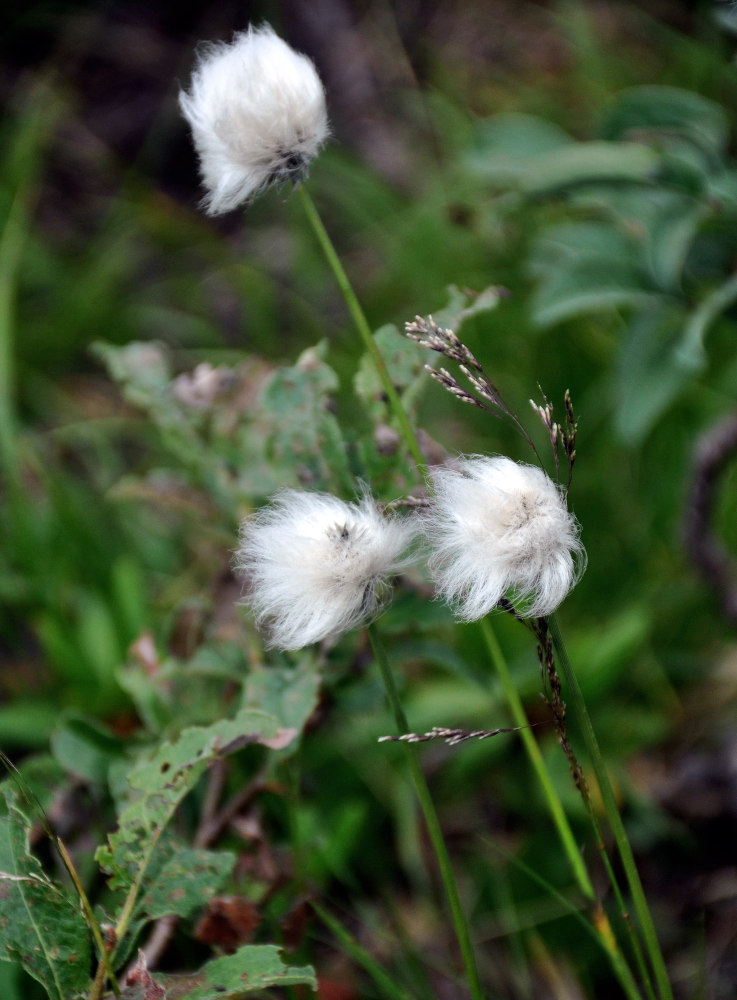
{"x": 26, "y": 723}
{"x": 463, "y": 304}
{"x": 85, "y": 748}
{"x": 573, "y": 244}
{"x": 41, "y": 927}
{"x": 670, "y": 236}
{"x": 588, "y": 286}
{"x": 504, "y": 143}
{"x": 251, "y": 968}
{"x": 162, "y": 782}
{"x": 658, "y": 113}
{"x": 288, "y": 693}
{"x": 405, "y": 363}
{"x": 589, "y": 163}
{"x": 298, "y": 426}
{"x": 186, "y": 881}
{"x": 141, "y": 368}
{"x": 691, "y": 353}
{"x": 649, "y": 376}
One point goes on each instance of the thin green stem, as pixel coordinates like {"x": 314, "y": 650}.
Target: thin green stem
{"x": 431, "y": 819}
{"x": 89, "y": 914}
{"x": 360, "y": 955}
{"x": 615, "y": 820}
{"x": 552, "y": 799}
{"x": 364, "y": 330}
{"x": 601, "y": 934}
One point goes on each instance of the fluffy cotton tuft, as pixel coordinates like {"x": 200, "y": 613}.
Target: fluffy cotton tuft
{"x": 499, "y": 528}
{"x": 257, "y": 113}
{"x": 316, "y": 567}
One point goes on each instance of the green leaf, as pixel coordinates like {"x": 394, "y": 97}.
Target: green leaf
{"x": 504, "y": 143}
{"x": 187, "y": 880}
{"x": 41, "y": 928}
{"x": 463, "y": 304}
{"x": 589, "y": 286}
{"x": 161, "y": 783}
{"x": 659, "y": 113}
{"x": 571, "y": 244}
{"x": 251, "y": 968}
{"x": 649, "y": 375}
{"x": 589, "y": 163}
{"x": 85, "y": 748}
{"x": 288, "y": 693}
{"x": 141, "y": 368}
{"x": 297, "y": 424}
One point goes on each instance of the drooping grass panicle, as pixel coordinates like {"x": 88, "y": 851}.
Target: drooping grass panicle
{"x": 257, "y": 113}
{"x": 485, "y": 395}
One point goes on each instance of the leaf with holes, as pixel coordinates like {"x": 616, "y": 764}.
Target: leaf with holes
{"x": 160, "y": 784}
{"x": 186, "y": 882}
{"x": 251, "y": 968}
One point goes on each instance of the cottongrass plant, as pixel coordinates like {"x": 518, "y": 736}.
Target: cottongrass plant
{"x": 316, "y": 567}
{"x": 256, "y": 109}
{"x": 257, "y": 113}
{"x": 500, "y": 528}
{"x": 502, "y": 533}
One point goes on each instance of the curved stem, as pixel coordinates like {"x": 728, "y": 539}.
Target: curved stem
{"x": 364, "y": 330}
{"x": 615, "y": 820}
{"x": 431, "y": 819}
{"x": 552, "y": 799}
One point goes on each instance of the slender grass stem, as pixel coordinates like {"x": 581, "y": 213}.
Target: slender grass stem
{"x": 431, "y": 819}
{"x": 601, "y": 934}
{"x": 359, "y": 954}
{"x": 615, "y": 820}
{"x": 552, "y": 799}
{"x": 364, "y": 330}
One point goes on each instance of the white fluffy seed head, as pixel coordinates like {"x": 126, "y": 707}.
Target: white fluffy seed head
{"x": 257, "y": 113}
{"x": 316, "y": 567}
{"x": 499, "y": 528}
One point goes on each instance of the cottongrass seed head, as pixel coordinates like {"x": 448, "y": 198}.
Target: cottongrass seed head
{"x": 257, "y": 113}
{"x": 499, "y": 528}
{"x": 315, "y": 566}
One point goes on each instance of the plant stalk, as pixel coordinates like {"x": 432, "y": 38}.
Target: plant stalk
{"x": 431, "y": 819}
{"x": 615, "y": 820}
{"x": 552, "y": 799}
{"x": 364, "y": 330}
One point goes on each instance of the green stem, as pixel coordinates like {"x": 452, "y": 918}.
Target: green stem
{"x": 364, "y": 330}
{"x": 615, "y": 820}
{"x": 89, "y": 914}
{"x": 536, "y": 759}
{"x": 601, "y": 934}
{"x": 431, "y": 819}
{"x": 360, "y": 955}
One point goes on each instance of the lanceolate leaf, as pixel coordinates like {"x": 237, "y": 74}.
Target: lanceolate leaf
{"x": 41, "y": 927}
{"x": 251, "y": 968}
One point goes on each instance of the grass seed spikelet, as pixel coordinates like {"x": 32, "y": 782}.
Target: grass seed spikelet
{"x": 257, "y": 113}
{"x": 316, "y": 567}
{"x": 501, "y": 528}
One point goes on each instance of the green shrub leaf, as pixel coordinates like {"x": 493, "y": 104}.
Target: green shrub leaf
{"x": 251, "y": 968}
{"x": 41, "y": 927}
